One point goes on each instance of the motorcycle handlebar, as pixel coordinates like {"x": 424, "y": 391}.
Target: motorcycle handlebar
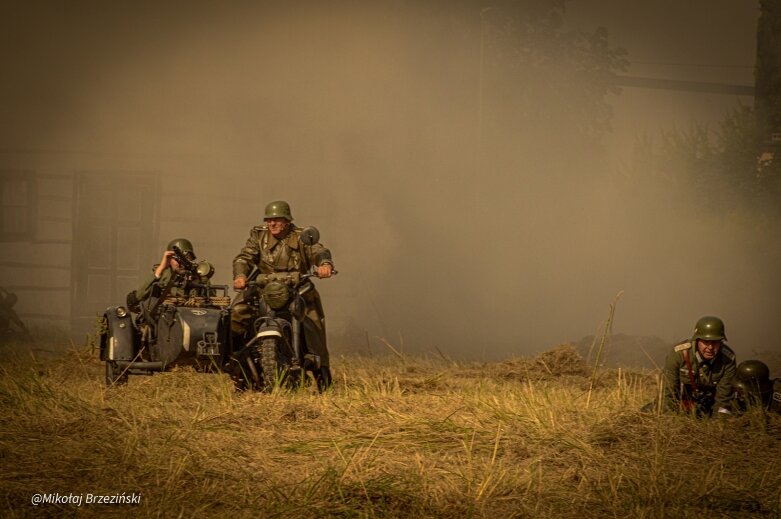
{"x": 283, "y": 277}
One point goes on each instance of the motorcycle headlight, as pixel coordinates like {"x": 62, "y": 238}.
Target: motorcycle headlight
{"x": 276, "y": 294}
{"x": 121, "y": 311}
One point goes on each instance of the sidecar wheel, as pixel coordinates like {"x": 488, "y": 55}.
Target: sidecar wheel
{"x": 114, "y": 375}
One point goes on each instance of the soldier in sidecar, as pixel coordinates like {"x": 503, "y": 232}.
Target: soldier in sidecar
{"x": 176, "y": 317}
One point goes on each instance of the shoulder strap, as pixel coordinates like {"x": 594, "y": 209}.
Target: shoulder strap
{"x": 689, "y": 367}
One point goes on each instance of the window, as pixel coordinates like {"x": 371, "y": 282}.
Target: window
{"x": 17, "y": 202}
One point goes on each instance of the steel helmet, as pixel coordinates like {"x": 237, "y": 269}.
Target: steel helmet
{"x": 752, "y": 381}
{"x": 709, "y": 328}
{"x": 754, "y": 372}
{"x": 278, "y": 209}
{"x": 184, "y": 244}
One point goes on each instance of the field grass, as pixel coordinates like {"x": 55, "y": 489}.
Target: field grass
{"x": 395, "y": 437}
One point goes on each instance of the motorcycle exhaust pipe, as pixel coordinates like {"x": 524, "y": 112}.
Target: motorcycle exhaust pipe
{"x": 150, "y": 366}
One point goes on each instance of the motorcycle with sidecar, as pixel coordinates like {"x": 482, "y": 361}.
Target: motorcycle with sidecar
{"x": 191, "y": 328}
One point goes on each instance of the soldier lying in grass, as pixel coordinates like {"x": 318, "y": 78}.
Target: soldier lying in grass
{"x": 698, "y": 373}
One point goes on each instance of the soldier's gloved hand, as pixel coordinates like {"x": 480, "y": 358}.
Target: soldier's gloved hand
{"x": 240, "y": 283}
{"x": 325, "y": 270}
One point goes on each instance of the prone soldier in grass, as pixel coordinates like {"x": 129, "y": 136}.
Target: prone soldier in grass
{"x": 754, "y": 387}
{"x": 698, "y": 373}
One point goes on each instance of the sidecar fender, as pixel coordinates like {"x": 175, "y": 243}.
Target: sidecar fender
{"x": 118, "y": 342}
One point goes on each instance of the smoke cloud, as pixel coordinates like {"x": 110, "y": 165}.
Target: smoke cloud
{"x": 454, "y": 222}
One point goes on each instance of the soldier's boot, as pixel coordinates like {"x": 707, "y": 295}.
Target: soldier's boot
{"x": 241, "y": 316}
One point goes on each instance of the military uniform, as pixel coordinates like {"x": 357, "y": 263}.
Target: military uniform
{"x": 285, "y": 254}
{"x": 712, "y": 378}
{"x": 170, "y": 283}
{"x": 155, "y": 286}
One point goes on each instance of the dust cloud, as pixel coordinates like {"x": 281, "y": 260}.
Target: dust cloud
{"x": 461, "y": 215}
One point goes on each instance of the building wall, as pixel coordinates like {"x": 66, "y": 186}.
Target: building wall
{"x": 37, "y": 267}
{"x": 214, "y": 209}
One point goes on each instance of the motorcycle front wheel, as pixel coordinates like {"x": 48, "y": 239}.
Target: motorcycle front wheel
{"x": 270, "y": 363}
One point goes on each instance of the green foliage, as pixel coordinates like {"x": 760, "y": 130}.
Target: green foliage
{"x": 720, "y": 166}
{"x": 550, "y": 76}
{"x": 768, "y": 67}
{"x": 738, "y": 164}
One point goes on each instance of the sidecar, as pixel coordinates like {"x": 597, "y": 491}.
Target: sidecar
{"x": 193, "y": 331}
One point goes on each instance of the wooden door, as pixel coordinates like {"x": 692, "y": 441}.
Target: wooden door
{"x": 115, "y": 231}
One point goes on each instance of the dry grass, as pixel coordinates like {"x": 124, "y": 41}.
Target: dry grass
{"x": 394, "y": 438}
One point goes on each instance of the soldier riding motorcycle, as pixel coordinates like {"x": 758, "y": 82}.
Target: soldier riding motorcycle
{"x": 278, "y": 301}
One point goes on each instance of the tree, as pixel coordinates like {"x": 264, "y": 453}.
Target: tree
{"x": 740, "y": 162}
{"x": 544, "y": 75}
{"x": 768, "y": 68}
{"x": 767, "y": 100}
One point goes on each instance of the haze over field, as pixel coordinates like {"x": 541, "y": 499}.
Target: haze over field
{"x": 461, "y": 214}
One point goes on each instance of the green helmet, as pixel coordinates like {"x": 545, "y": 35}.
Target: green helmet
{"x": 709, "y": 328}
{"x": 184, "y": 244}
{"x": 278, "y": 209}
{"x": 752, "y": 382}
{"x": 753, "y": 371}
